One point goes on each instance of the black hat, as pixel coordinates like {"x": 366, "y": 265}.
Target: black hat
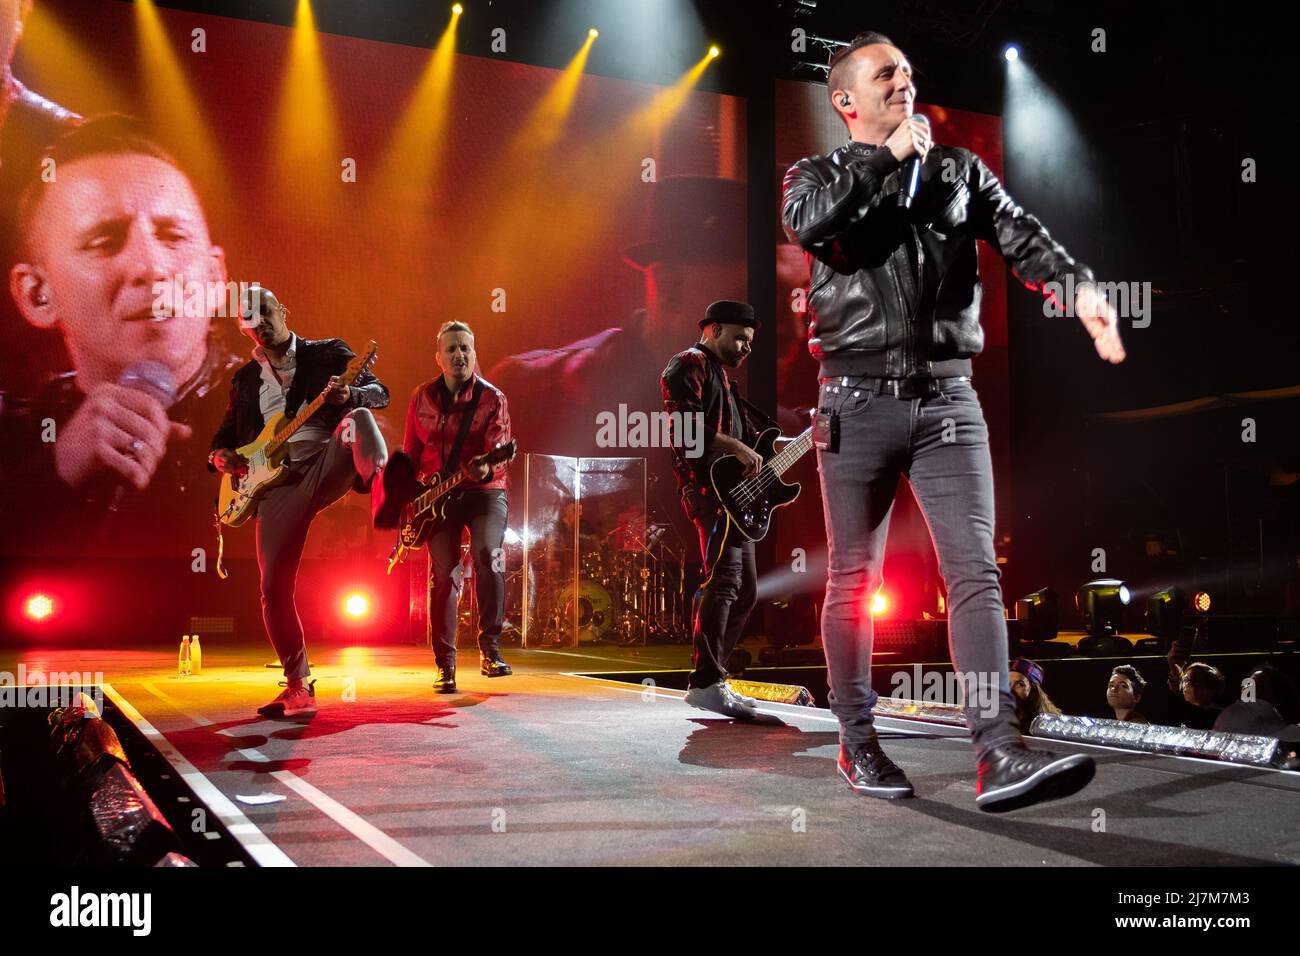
{"x": 693, "y": 219}
{"x": 729, "y": 313}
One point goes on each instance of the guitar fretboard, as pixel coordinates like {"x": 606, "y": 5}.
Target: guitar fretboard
{"x": 791, "y": 453}
{"x": 347, "y": 378}
{"x": 287, "y": 431}
{"x": 423, "y": 502}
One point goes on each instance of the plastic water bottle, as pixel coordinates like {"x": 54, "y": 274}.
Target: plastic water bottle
{"x": 196, "y": 655}
{"x": 183, "y": 664}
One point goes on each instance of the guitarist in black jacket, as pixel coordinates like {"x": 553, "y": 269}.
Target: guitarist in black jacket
{"x": 695, "y": 384}
{"x": 339, "y": 448}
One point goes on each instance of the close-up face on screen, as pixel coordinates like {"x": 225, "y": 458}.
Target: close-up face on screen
{"x": 379, "y": 192}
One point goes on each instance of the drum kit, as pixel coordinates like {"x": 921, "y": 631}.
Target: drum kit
{"x": 589, "y": 569}
{"x": 628, "y": 589}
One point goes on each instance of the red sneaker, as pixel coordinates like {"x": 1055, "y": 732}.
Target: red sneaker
{"x": 292, "y": 702}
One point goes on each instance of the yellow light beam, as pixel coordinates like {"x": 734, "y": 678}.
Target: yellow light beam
{"x": 58, "y": 65}
{"x": 572, "y": 213}
{"x": 544, "y": 125}
{"x": 665, "y": 104}
{"x": 418, "y": 146}
{"x": 172, "y": 103}
{"x": 306, "y": 132}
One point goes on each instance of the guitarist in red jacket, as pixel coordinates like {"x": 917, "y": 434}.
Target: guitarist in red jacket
{"x": 339, "y": 448}
{"x": 451, "y": 421}
{"x": 695, "y": 383}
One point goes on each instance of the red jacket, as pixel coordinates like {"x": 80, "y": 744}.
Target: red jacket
{"x": 430, "y": 433}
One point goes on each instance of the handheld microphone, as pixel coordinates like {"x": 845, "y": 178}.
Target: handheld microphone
{"x": 152, "y": 378}
{"x": 912, "y": 172}
{"x": 155, "y": 380}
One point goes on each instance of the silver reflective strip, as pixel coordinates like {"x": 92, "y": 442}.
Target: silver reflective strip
{"x": 1155, "y": 738}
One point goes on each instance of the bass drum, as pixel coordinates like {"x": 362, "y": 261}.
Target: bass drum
{"x": 596, "y": 610}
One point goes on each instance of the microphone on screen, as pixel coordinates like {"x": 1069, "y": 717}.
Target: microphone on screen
{"x": 912, "y": 172}
{"x": 155, "y": 380}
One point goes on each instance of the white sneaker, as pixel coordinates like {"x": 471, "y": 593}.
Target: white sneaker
{"x": 721, "y": 699}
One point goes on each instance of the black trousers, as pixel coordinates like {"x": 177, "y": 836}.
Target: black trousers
{"x": 726, "y": 595}
{"x": 484, "y": 513}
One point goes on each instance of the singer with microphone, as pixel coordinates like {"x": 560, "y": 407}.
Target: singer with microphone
{"x": 102, "y": 457}
{"x": 888, "y": 223}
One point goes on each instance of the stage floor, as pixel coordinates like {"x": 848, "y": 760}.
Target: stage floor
{"x": 547, "y": 767}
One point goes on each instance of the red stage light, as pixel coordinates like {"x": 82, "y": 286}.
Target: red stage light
{"x": 879, "y": 604}
{"x": 1201, "y": 601}
{"x": 356, "y": 605}
{"x": 38, "y": 607}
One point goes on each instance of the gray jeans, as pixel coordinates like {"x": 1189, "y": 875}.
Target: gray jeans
{"x": 284, "y": 516}
{"x": 941, "y": 444}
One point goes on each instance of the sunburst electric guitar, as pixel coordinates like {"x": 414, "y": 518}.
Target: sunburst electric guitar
{"x": 237, "y": 500}
{"x": 423, "y": 514}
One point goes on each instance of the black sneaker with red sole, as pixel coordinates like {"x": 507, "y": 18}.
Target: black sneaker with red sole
{"x": 1012, "y": 776}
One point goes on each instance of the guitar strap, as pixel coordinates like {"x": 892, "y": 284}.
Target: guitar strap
{"x": 761, "y": 417}
{"x": 452, "y": 462}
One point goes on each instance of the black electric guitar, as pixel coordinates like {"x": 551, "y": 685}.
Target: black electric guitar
{"x": 428, "y": 508}
{"x": 751, "y": 501}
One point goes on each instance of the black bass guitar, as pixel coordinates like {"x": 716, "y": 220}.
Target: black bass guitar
{"x": 751, "y": 501}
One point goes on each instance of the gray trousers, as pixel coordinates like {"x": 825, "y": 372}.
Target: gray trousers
{"x": 941, "y": 444}
{"x": 284, "y": 516}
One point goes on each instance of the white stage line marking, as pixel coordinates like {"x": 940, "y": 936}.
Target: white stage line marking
{"x": 259, "y": 846}
{"x": 358, "y": 826}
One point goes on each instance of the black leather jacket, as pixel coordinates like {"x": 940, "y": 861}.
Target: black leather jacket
{"x": 897, "y": 294}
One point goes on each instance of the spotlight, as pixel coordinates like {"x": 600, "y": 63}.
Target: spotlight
{"x": 1165, "y": 612}
{"x": 714, "y": 51}
{"x": 1012, "y": 53}
{"x": 38, "y": 607}
{"x": 1201, "y": 602}
{"x": 457, "y": 9}
{"x": 356, "y": 605}
{"x": 1102, "y": 603}
{"x": 593, "y": 33}
{"x": 879, "y": 604}
{"x": 1042, "y": 611}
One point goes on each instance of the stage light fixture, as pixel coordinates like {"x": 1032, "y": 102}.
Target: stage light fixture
{"x": 356, "y": 605}
{"x": 1165, "y": 612}
{"x": 1012, "y": 53}
{"x": 879, "y": 604}
{"x": 1201, "y": 602}
{"x": 1042, "y": 611}
{"x": 38, "y": 607}
{"x": 1102, "y": 603}
{"x": 714, "y": 51}
{"x": 457, "y": 9}
{"x": 593, "y": 33}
